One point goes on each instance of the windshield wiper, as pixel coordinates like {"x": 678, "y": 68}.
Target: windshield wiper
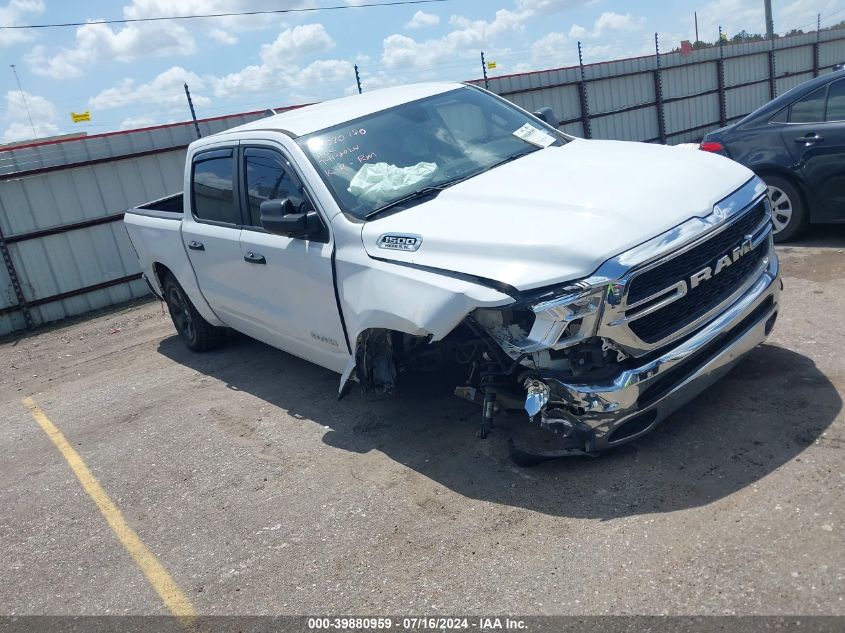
{"x": 420, "y": 193}
{"x": 512, "y": 158}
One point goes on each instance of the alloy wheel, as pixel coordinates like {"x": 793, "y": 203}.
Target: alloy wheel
{"x": 781, "y": 208}
{"x": 178, "y": 307}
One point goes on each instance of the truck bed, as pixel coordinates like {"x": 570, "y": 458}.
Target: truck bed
{"x": 168, "y": 204}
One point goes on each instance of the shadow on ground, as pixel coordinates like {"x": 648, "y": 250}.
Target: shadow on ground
{"x": 820, "y": 235}
{"x": 766, "y": 412}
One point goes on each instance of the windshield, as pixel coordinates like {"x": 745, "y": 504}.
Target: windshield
{"x": 385, "y": 157}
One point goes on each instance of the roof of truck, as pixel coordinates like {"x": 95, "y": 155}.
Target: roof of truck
{"x": 320, "y": 116}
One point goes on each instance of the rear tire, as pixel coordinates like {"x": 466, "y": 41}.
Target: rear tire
{"x": 196, "y": 333}
{"x": 789, "y": 214}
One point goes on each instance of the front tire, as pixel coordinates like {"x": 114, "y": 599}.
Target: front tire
{"x": 789, "y": 215}
{"x": 196, "y": 333}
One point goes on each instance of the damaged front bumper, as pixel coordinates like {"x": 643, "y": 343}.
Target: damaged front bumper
{"x": 596, "y": 417}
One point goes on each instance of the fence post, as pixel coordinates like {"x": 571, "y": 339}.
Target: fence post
{"x": 658, "y": 94}
{"x": 772, "y": 77}
{"x": 193, "y": 112}
{"x": 720, "y": 72}
{"x": 582, "y": 98}
{"x": 357, "y": 79}
{"x": 816, "y": 51}
{"x": 23, "y": 306}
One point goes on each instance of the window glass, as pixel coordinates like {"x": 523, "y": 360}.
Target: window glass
{"x": 269, "y": 178}
{"x": 836, "y": 101}
{"x": 212, "y": 190}
{"x": 810, "y": 109}
{"x": 781, "y": 116}
{"x": 382, "y": 158}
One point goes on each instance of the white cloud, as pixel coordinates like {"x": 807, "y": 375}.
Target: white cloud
{"x": 96, "y": 43}
{"x": 238, "y": 23}
{"x": 18, "y": 127}
{"x": 318, "y": 80}
{"x": 278, "y": 69}
{"x": 403, "y": 51}
{"x": 606, "y": 23}
{"x": 223, "y": 36}
{"x": 577, "y": 31}
{"x": 299, "y": 41}
{"x": 610, "y": 21}
{"x": 134, "y": 122}
{"x": 12, "y": 14}
{"x": 551, "y": 47}
{"x": 422, "y": 19}
{"x": 737, "y": 15}
{"x": 800, "y": 14}
{"x": 165, "y": 90}
{"x": 549, "y": 6}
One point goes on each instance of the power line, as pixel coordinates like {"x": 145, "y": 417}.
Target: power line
{"x": 225, "y": 15}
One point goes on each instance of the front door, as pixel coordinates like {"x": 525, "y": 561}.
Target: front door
{"x": 815, "y": 136}
{"x": 290, "y": 280}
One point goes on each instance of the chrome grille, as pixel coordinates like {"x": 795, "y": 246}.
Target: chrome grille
{"x": 693, "y": 304}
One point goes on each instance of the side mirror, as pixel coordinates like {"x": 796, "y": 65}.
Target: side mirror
{"x": 548, "y": 115}
{"x": 280, "y": 217}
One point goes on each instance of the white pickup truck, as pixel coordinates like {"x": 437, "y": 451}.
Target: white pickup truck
{"x": 598, "y": 284}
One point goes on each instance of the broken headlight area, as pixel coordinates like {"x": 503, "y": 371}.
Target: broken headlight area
{"x": 555, "y": 332}
{"x": 554, "y": 336}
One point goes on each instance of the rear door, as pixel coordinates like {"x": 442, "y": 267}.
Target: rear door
{"x": 290, "y": 281}
{"x": 211, "y": 234}
{"x": 815, "y": 135}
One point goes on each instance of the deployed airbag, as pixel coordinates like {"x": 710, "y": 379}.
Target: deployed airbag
{"x": 382, "y": 181}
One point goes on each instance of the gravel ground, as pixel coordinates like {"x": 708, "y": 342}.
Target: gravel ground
{"x": 261, "y": 493}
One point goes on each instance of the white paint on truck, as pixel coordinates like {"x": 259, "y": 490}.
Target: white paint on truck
{"x": 509, "y": 255}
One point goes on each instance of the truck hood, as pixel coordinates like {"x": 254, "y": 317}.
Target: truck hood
{"x": 557, "y": 214}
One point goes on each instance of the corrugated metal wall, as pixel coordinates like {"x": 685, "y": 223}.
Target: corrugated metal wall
{"x": 60, "y": 210}
{"x": 622, "y": 96}
{"x": 61, "y": 202}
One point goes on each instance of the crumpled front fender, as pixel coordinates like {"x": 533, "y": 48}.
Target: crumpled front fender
{"x": 377, "y": 294}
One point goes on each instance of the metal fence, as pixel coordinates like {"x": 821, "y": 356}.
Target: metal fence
{"x": 673, "y": 98}
{"x": 66, "y": 253}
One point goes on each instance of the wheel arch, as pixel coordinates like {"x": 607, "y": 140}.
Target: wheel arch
{"x": 793, "y": 179}
{"x": 160, "y": 271}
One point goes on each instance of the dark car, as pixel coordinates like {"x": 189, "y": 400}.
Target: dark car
{"x": 796, "y": 143}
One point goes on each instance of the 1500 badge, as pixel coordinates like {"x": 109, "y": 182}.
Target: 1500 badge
{"x": 400, "y": 242}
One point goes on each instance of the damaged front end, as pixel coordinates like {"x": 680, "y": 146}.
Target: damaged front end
{"x": 602, "y": 361}
{"x": 554, "y": 335}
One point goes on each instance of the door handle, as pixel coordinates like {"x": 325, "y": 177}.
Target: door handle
{"x": 196, "y": 246}
{"x": 254, "y": 258}
{"x": 810, "y": 138}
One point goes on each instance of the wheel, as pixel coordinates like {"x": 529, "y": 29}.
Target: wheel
{"x": 196, "y": 333}
{"x": 788, "y": 214}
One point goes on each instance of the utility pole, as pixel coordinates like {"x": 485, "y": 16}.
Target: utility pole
{"x": 695, "y": 13}
{"x": 484, "y": 70}
{"x": 357, "y": 79}
{"x": 770, "y": 25}
{"x": 25, "y": 104}
{"x": 193, "y": 112}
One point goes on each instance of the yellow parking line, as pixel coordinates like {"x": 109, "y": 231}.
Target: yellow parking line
{"x": 174, "y": 599}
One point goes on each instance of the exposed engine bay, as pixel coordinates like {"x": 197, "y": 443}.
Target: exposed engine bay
{"x": 503, "y": 363}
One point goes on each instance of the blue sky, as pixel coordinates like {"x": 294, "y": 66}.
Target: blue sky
{"x": 132, "y": 75}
